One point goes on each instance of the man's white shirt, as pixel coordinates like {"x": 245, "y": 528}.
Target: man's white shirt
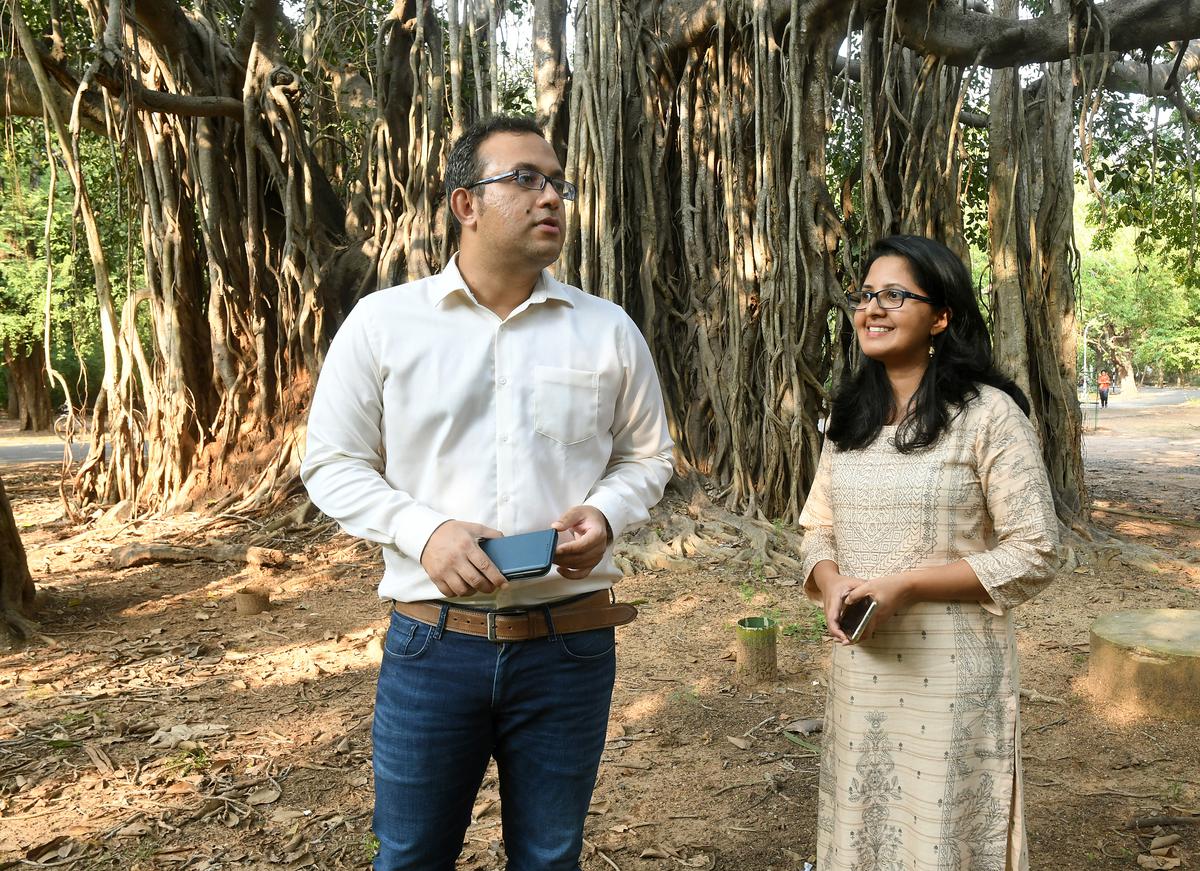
{"x": 431, "y": 408}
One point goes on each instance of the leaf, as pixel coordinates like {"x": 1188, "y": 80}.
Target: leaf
{"x": 662, "y": 851}
{"x": 1164, "y": 841}
{"x": 808, "y": 726}
{"x": 47, "y": 850}
{"x": 263, "y": 795}
{"x": 796, "y": 739}
{"x": 598, "y": 807}
{"x": 287, "y": 815}
{"x": 302, "y": 860}
{"x": 739, "y": 743}
{"x": 1158, "y": 862}
{"x": 170, "y": 738}
{"x": 133, "y": 830}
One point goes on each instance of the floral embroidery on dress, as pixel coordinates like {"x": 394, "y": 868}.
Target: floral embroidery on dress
{"x": 974, "y": 823}
{"x": 875, "y": 787}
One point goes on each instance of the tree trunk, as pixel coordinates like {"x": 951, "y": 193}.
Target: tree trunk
{"x": 1051, "y": 295}
{"x": 704, "y": 212}
{"x": 1033, "y": 260}
{"x": 1008, "y": 230}
{"x": 16, "y": 584}
{"x": 11, "y": 399}
{"x": 551, "y": 77}
{"x": 27, "y": 384}
{"x": 1123, "y": 371}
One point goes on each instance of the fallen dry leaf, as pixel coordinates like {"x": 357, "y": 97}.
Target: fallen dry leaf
{"x": 659, "y": 852}
{"x": 1158, "y": 863}
{"x": 263, "y": 795}
{"x": 287, "y": 815}
{"x": 170, "y": 738}
{"x": 740, "y": 743}
{"x": 807, "y": 726}
{"x": 133, "y": 830}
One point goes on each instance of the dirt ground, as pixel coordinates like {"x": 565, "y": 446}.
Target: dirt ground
{"x": 161, "y": 729}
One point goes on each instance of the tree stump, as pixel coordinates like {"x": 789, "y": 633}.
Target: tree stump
{"x": 756, "y": 650}
{"x": 1149, "y": 660}
{"x": 251, "y": 600}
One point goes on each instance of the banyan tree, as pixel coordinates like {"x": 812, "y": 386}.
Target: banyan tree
{"x": 734, "y": 157}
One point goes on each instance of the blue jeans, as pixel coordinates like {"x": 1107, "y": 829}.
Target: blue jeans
{"x": 446, "y": 702}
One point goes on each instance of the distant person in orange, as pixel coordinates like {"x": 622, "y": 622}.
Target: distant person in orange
{"x": 1104, "y": 384}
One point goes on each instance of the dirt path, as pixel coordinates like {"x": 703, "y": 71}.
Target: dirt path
{"x": 163, "y": 730}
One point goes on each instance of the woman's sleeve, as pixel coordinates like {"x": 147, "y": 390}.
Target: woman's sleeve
{"x": 1017, "y": 493}
{"x": 816, "y": 520}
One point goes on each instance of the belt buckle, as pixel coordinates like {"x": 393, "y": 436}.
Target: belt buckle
{"x": 491, "y": 626}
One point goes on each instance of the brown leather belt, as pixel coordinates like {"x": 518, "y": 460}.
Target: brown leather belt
{"x": 594, "y": 611}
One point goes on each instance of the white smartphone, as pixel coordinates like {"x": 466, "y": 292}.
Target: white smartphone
{"x": 854, "y": 618}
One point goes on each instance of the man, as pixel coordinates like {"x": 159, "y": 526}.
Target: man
{"x": 490, "y": 400}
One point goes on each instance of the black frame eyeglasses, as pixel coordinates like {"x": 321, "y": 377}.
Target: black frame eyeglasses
{"x": 532, "y": 180}
{"x": 888, "y": 298}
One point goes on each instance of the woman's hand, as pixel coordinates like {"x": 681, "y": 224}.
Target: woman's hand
{"x": 890, "y": 592}
{"x": 835, "y": 588}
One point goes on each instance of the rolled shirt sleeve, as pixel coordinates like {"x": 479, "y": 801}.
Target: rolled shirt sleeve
{"x": 1016, "y": 490}
{"x": 816, "y": 520}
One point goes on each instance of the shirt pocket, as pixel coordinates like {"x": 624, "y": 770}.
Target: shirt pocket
{"x": 566, "y": 403}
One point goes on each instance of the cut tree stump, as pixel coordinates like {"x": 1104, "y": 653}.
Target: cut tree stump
{"x": 1148, "y": 659}
{"x": 756, "y": 661}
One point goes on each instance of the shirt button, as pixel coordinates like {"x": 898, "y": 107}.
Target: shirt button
{"x": 504, "y": 499}
{"x": 503, "y": 438}
{"x": 503, "y": 380}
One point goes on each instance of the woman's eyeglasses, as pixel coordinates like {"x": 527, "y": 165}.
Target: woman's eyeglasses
{"x": 889, "y": 298}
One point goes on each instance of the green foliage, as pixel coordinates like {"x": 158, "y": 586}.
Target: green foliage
{"x": 25, "y": 179}
{"x": 1143, "y": 161}
{"x": 808, "y": 625}
{"x": 1141, "y": 309}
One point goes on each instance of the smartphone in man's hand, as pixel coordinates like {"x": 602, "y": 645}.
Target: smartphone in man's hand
{"x": 522, "y": 557}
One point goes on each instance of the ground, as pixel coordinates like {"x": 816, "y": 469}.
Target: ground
{"x": 161, "y": 729}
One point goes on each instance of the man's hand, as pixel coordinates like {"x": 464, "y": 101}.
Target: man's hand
{"x": 581, "y": 551}
{"x": 456, "y": 564}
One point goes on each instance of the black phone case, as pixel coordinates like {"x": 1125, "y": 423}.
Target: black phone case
{"x": 520, "y": 557}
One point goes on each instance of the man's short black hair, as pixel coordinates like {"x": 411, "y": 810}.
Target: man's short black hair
{"x": 463, "y": 167}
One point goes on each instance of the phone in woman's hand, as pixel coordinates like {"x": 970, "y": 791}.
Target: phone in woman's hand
{"x": 854, "y": 618}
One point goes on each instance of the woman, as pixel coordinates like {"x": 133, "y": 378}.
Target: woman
{"x": 932, "y": 500}
{"x": 1103, "y": 386}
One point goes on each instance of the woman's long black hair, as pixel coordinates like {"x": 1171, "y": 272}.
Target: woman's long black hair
{"x": 961, "y": 361}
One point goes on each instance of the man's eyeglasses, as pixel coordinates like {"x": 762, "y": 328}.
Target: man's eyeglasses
{"x": 532, "y": 180}
{"x": 888, "y": 298}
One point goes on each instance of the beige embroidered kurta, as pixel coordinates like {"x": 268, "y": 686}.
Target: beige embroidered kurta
{"x": 921, "y": 766}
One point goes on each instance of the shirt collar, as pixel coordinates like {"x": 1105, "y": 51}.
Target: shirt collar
{"x": 450, "y": 281}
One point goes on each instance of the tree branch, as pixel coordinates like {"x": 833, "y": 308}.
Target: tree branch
{"x": 182, "y": 104}
{"x": 20, "y": 97}
{"x": 959, "y": 37}
{"x": 965, "y": 37}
